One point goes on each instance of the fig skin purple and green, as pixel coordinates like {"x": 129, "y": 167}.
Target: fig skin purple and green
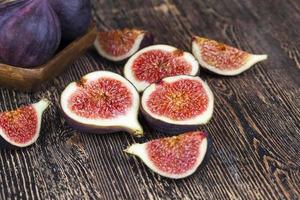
{"x": 30, "y": 33}
{"x": 75, "y": 17}
{"x": 6, "y": 145}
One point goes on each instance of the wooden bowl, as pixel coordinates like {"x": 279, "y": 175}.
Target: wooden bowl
{"x": 29, "y": 79}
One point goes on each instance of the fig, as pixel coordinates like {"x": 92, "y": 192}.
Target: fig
{"x": 30, "y": 32}
{"x": 118, "y": 45}
{"x": 21, "y": 127}
{"x": 173, "y": 157}
{"x": 222, "y": 59}
{"x": 177, "y": 104}
{"x": 102, "y": 102}
{"x": 153, "y": 63}
{"x": 75, "y": 17}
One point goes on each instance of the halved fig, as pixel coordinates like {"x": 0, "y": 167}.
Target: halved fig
{"x": 118, "y": 45}
{"x": 173, "y": 157}
{"x": 153, "y": 63}
{"x": 177, "y": 104}
{"x": 21, "y": 127}
{"x": 221, "y": 58}
{"x": 102, "y": 102}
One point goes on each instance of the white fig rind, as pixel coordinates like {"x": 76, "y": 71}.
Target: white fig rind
{"x": 127, "y": 122}
{"x": 134, "y": 48}
{"x": 141, "y": 85}
{"x": 251, "y": 60}
{"x": 39, "y": 107}
{"x": 140, "y": 151}
{"x": 200, "y": 119}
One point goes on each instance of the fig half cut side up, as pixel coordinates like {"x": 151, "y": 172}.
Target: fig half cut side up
{"x": 102, "y": 102}
{"x": 156, "y": 62}
{"x": 177, "y": 104}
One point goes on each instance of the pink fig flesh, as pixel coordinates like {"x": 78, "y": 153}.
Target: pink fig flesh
{"x": 118, "y": 45}
{"x": 173, "y": 157}
{"x": 21, "y": 127}
{"x": 153, "y": 63}
{"x": 177, "y": 104}
{"x": 102, "y": 102}
{"x": 221, "y": 58}
{"x": 180, "y": 100}
{"x": 111, "y": 99}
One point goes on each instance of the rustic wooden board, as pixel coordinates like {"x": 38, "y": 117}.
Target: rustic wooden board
{"x": 255, "y": 127}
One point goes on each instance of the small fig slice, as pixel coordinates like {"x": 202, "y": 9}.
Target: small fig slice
{"x": 118, "y": 45}
{"x": 102, "y": 102}
{"x": 177, "y": 104}
{"x": 223, "y": 59}
{"x": 21, "y": 127}
{"x": 153, "y": 63}
{"x": 173, "y": 157}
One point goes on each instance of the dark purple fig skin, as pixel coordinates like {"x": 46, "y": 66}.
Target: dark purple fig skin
{"x": 75, "y": 17}
{"x": 147, "y": 41}
{"x": 6, "y": 145}
{"x": 164, "y": 127}
{"x": 30, "y": 32}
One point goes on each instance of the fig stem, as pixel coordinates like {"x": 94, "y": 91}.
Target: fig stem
{"x": 260, "y": 57}
{"x": 132, "y": 149}
{"x": 42, "y": 104}
{"x": 136, "y": 129}
{"x": 138, "y": 133}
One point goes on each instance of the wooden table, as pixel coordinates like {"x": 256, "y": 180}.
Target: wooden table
{"x": 255, "y": 127}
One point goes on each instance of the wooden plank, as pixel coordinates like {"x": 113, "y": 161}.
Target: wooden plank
{"x": 57, "y": 167}
{"x": 250, "y": 160}
{"x": 255, "y": 127}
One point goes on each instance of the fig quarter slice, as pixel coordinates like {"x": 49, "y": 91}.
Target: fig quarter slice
{"x": 223, "y": 59}
{"x": 173, "y": 157}
{"x": 21, "y": 127}
{"x": 102, "y": 102}
{"x": 177, "y": 104}
{"x": 118, "y": 45}
{"x": 153, "y": 63}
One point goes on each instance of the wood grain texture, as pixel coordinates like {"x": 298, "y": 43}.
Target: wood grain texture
{"x": 255, "y": 127}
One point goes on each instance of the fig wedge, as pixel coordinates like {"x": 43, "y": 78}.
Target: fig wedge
{"x": 222, "y": 59}
{"x": 118, "y": 45}
{"x": 21, "y": 127}
{"x": 174, "y": 157}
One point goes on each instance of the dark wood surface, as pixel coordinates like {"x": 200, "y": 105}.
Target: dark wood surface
{"x": 255, "y": 127}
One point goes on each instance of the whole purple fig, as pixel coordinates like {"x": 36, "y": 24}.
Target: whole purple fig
{"x": 30, "y": 32}
{"x": 74, "y": 15}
